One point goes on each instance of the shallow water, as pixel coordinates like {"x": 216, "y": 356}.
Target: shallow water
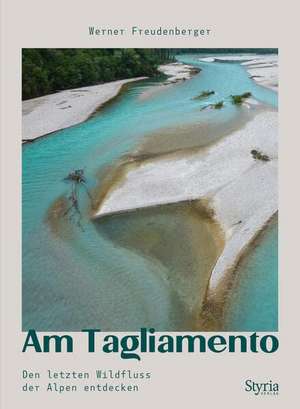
{"x": 185, "y": 263}
{"x": 73, "y": 278}
{"x": 253, "y": 303}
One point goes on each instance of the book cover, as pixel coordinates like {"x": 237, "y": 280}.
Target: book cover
{"x": 143, "y": 258}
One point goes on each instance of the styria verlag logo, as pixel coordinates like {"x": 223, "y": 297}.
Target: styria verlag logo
{"x": 269, "y": 388}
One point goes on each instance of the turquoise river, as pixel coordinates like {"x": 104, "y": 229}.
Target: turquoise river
{"x": 82, "y": 278}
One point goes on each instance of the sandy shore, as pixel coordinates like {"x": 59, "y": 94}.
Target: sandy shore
{"x": 186, "y": 136}
{"x": 176, "y": 72}
{"x": 240, "y": 190}
{"x": 50, "y": 113}
{"x": 185, "y": 265}
{"x": 262, "y": 68}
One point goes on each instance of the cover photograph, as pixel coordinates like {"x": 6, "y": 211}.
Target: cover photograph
{"x": 160, "y": 209}
{"x": 143, "y": 257}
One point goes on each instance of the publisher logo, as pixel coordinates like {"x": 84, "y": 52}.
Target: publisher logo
{"x": 269, "y": 388}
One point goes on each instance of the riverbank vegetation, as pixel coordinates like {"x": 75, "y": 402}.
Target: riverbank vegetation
{"x": 226, "y": 50}
{"x": 217, "y": 105}
{"x": 239, "y": 99}
{"x": 204, "y": 94}
{"x": 259, "y": 155}
{"x": 49, "y": 70}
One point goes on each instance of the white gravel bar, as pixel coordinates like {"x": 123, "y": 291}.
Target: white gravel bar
{"x": 262, "y": 68}
{"x": 50, "y": 113}
{"x": 241, "y": 190}
{"x": 177, "y": 71}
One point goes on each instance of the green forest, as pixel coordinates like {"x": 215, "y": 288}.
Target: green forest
{"x": 49, "y": 70}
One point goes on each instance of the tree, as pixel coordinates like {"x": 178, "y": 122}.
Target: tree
{"x": 52, "y": 69}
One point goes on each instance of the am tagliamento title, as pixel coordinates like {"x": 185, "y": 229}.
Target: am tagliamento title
{"x": 133, "y": 346}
